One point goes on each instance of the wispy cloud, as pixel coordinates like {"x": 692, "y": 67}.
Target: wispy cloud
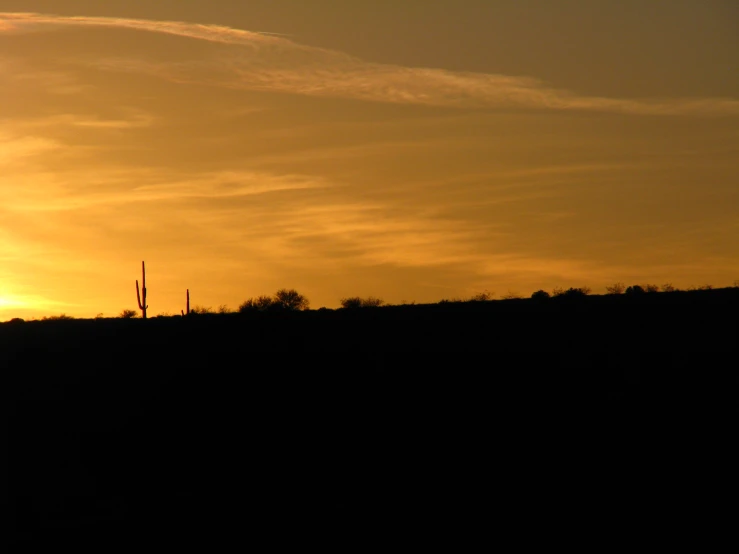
{"x": 271, "y": 63}
{"x": 135, "y": 119}
{"x": 15, "y": 149}
{"x": 13, "y": 72}
{"x": 55, "y": 192}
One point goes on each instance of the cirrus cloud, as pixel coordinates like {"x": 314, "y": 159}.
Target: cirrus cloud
{"x": 266, "y": 62}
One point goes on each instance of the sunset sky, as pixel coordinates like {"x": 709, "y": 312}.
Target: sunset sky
{"x": 412, "y": 150}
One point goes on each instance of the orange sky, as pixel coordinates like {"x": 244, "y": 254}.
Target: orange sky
{"x": 412, "y": 151}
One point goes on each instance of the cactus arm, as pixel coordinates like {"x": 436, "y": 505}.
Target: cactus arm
{"x": 138, "y": 295}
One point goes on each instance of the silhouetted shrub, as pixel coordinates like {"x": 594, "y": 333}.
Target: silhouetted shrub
{"x": 485, "y": 296}
{"x": 128, "y": 314}
{"x": 223, "y": 309}
{"x": 572, "y": 292}
{"x": 57, "y": 317}
{"x": 667, "y": 287}
{"x": 17, "y": 320}
{"x": 558, "y": 291}
{"x": 650, "y": 288}
{"x": 616, "y": 288}
{"x": 258, "y": 304}
{"x": 202, "y": 310}
{"x": 635, "y": 289}
{"x": 540, "y": 295}
{"x": 357, "y": 302}
{"x": 351, "y": 303}
{"x": 511, "y": 296}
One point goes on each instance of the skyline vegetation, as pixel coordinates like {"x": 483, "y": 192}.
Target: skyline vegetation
{"x": 290, "y": 300}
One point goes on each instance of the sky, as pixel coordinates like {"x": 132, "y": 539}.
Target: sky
{"x": 412, "y": 151}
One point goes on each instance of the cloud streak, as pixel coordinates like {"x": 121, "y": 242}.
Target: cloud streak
{"x": 264, "y": 62}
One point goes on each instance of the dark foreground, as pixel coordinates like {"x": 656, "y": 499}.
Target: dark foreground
{"x": 445, "y": 422}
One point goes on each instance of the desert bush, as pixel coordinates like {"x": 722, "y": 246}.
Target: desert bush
{"x": 540, "y": 295}
{"x": 574, "y": 292}
{"x": 57, "y": 317}
{"x": 128, "y": 314}
{"x": 635, "y": 289}
{"x": 223, "y": 309}
{"x": 484, "y": 296}
{"x": 357, "y": 302}
{"x": 667, "y": 287}
{"x": 258, "y": 304}
{"x": 510, "y": 295}
{"x": 351, "y": 303}
{"x": 284, "y": 299}
{"x": 202, "y": 310}
{"x": 558, "y": 291}
{"x": 616, "y": 288}
{"x": 650, "y": 288}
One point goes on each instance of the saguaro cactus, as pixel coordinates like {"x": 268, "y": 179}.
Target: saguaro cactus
{"x": 188, "y": 305}
{"x": 142, "y": 305}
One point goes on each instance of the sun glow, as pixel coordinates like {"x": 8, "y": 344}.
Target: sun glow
{"x": 10, "y": 302}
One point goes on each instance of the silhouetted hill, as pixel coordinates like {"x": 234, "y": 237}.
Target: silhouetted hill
{"x": 424, "y": 418}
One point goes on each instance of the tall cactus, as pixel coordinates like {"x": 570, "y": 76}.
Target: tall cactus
{"x": 142, "y": 305}
{"x": 188, "y": 305}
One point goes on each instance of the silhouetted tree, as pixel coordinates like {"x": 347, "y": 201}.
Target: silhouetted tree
{"x": 128, "y": 314}
{"x": 290, "y": 299}
{"x": 635, "y": 289}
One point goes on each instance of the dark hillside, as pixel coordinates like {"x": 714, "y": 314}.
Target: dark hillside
{"x": 428, "y": 417}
